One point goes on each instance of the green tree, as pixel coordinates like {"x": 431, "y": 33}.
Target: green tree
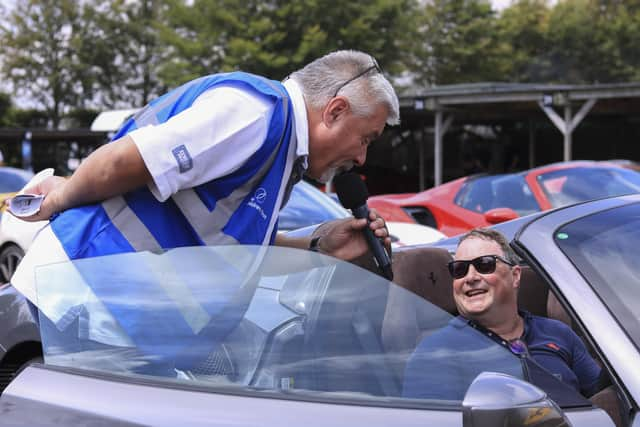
{"x": 621, "y": 22}
{"x": 5, "y": 109}
{"x": 458, "y": 43}
{"x": 522, "y": 28}
{"x": 276, "y": 37}
{"x": 119, "y": 47}
{"x": 196, "y": 37}
{"x": 143, "y": 53}
{"x": 583, "y": 41}
{"x": 81, "y": 117}
{"x": 30, "y": 118}
{"x": 38, "y": 56}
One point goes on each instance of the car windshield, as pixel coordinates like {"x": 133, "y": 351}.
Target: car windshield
{"x": 308, "y": 206}
{"x": 252, "y": 319}
{"x": 568, "y": 186}
{"x": 603, "y": 247}
{"x": 497, "y": 191}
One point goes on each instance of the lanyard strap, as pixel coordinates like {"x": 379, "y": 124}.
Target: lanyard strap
{"x": 517, "y": 346}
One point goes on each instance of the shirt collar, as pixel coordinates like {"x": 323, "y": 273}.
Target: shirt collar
{"x": 526, "y": 316}
{"x": 460, "y": 321}
{"x": 300, "y": 119}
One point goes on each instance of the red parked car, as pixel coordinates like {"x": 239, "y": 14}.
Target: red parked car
{"x": 482, "y": 200}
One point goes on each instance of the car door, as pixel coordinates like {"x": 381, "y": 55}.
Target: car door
{"x": 249, "y": 335}
{"x": 588, "y": 252}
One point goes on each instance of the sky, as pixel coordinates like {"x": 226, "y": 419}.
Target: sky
{"x": 501, "y": 4}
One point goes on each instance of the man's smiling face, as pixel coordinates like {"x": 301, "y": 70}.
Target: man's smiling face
{"x": 484, "y": 295}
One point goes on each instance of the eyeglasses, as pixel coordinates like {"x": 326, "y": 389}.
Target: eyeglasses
{"x": 485, "y": 264}
{"x": 374, "y": 66}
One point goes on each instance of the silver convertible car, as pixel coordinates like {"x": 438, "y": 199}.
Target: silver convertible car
{"x": 248, "y": 336}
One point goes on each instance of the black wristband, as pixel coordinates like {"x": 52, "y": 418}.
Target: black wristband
{"x": 314, "y": 244}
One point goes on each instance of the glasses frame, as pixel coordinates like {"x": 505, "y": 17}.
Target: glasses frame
{"x": 467, "y": 263}
{"x": 374, "y": 66}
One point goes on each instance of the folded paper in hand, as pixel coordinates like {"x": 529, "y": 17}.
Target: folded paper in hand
{"x": 24, "y": 205}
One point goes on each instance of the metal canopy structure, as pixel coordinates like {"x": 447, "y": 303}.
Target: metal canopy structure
{"x": 490, "y": 103}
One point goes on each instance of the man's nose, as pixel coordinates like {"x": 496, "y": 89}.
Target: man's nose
{"x": 472, "y": 274}
{"x": 362, "y": 157}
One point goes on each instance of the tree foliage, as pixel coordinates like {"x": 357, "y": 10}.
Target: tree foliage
{"x": 66, "y": 55}
{"x": 577, "y": 41}
{"x": 276, "y": 37}
{"x": 5, "y": 109}
{"x": 522, "y": 28}
{"x": 121, "y": 48}
{"x": 38, "y": 54}
{"x": 458, "y": 43}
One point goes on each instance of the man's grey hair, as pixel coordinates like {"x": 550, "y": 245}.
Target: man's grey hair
{"x": 495, "y": 236}
{"x": 321, "y": 79}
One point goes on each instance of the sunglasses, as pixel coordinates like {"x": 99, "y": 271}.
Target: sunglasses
{"x": 374, "y": 66}
{"x": 485, "y": 264}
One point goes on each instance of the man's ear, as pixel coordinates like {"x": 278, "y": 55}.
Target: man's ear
{"x": 517, "y": 272}
{"x": 335, "y": 109}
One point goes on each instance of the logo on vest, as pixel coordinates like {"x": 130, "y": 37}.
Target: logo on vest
{"x": 260, "y": 195}
{"x": 185, "y": 163}
{"x": 258, "y": 198}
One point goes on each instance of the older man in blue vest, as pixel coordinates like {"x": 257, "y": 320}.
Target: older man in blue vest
{"x": 213, "y": 162}
{"x": 185, "y": 169}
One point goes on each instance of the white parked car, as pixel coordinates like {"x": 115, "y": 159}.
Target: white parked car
{"x": 15, "y": 235}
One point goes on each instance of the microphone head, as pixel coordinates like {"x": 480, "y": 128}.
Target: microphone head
{"x": 352, "y": 191}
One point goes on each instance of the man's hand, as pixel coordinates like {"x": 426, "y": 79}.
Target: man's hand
{"x": 113, "y": 169}
{"x": 344, "y": 238}
{"x": 51, "y": 188}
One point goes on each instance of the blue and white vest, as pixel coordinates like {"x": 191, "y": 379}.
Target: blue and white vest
{"x": 238, "y": 208}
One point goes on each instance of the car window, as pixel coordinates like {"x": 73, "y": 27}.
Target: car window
{"x": 567, "y": 186}
{"x": 308, "y": 206}
{"x": 278, "y": 321}
{"x": 497, "y": 191}
{"x": 603, "y": 247}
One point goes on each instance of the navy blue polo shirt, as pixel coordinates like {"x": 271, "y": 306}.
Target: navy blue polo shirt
{"x": 560, "y": 351}
{"x": 445, "y": 363}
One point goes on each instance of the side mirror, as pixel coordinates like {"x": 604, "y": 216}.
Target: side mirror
{"x": 498, "y": 215}
{"x": 495, "y": 399}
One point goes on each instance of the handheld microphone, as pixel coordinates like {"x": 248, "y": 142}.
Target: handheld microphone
{"x": 353, "y": 194}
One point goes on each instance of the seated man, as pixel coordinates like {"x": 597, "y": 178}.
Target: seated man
{"x": 491, "y": 330}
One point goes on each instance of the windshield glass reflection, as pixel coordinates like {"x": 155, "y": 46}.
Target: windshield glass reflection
{"x": 498, "y": 191}
{"x": 603, "y": 247}
{"x": 569, "y": 186}
{"x": 265, "y": 319}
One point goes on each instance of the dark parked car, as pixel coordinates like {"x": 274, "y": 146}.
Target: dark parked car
{"x": 196, "y": 336}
